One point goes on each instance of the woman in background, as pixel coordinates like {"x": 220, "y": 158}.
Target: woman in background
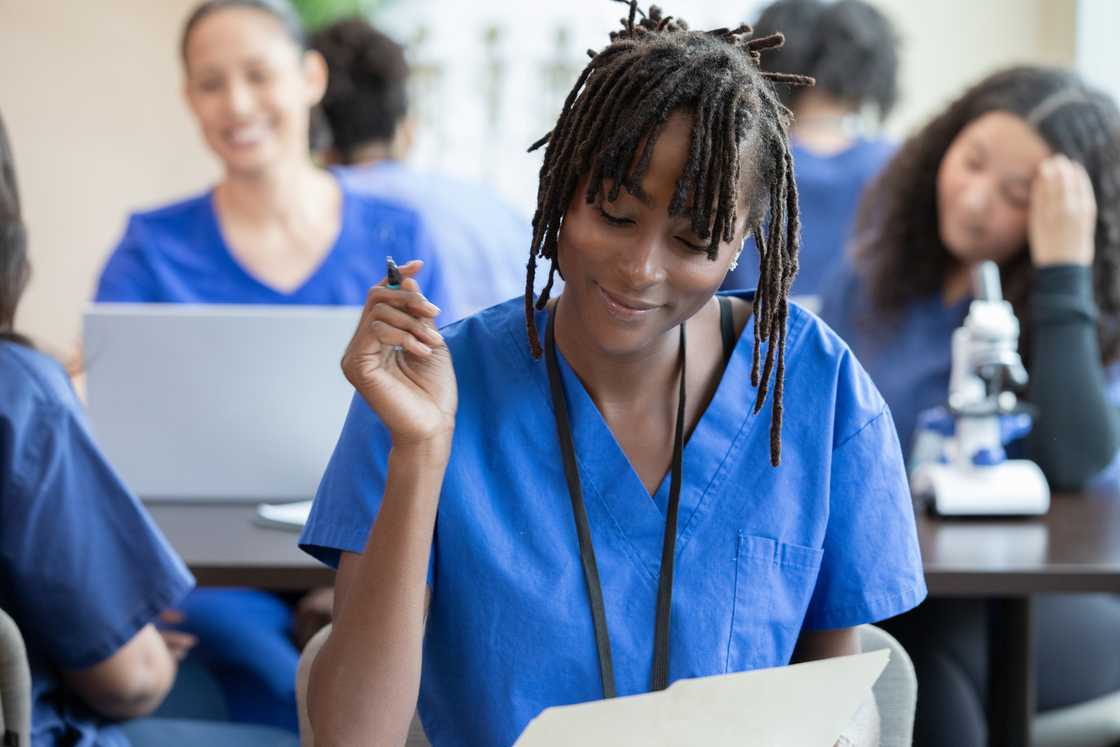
{"x": 1023, "y": 170}
{"x": 851, "y": 49}
{"x": 276, "y": 229}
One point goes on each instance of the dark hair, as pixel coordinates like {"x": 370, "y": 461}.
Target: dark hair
{"x": 652, "y": 68}
{"x": 278, "y": 9}
{"x": 898, "y": 243}
{"x": 367, "y": 92}
{"x": 15, "y": 270}
{"x": 849, "y": 47}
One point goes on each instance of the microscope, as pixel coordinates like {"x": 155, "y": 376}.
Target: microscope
{"x": 959, "y": 462}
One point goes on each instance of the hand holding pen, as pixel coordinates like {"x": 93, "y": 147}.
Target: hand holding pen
{"x": 398, "y": 361}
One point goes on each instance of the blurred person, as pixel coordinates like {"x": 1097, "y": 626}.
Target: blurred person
{"x": 480, "y": 240}
{"x": 276, "y": 229}
{"x": 851, "y": 50}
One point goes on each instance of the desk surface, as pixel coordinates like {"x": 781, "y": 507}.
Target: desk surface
{"x": 222, "y": 546}
{"x": 1076, "y": 547}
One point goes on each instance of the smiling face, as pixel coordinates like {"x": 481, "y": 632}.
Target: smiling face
{"x": 984, "y": 186}
{"x": 633, "y": 272}
{"x": 251, "y": 88}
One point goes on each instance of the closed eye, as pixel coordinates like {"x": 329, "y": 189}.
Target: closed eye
{"x": 694, "y": 247}
{"x": 612, "y": 219}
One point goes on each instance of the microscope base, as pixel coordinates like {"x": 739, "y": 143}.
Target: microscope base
{"x": 1012, "y": 488}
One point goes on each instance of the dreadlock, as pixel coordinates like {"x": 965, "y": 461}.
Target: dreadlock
{"x": 652, "y": 67}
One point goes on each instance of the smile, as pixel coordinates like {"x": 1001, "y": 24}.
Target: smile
{"x": 624, "y": 309}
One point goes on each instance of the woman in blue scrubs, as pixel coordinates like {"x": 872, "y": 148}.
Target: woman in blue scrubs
{"x": 1023, "y": 170}
{"x": 513, "y": 533}
{"x": 83, "y": 571}
{"x": 276, "y": 229}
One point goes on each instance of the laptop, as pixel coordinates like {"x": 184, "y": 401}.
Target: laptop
{"x": 217, "y": 403}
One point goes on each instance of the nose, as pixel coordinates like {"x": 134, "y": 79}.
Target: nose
{"x": 239, "y": 99}
{"x": 641, "y": 264}
{"x": 976, "y": 198}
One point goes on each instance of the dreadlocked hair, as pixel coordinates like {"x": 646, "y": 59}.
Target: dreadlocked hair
{"x": 655, "y": 65}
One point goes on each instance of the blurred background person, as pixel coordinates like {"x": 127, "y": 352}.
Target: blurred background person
{"x": 276, "y": 229}
{"x": 480, "y": 240}
{"x": 851, "y": 49}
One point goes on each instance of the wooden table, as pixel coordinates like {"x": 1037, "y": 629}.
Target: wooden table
{"x": 223, "y": 546}
{"x": 1074, "y": 548}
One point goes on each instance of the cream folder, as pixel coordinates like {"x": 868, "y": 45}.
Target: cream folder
{"x": 803, "y": 705}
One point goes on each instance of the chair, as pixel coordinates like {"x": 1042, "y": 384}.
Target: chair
{"x": 416, "y": 736}
{"x": 1095, "y": 723}
{"x": 896, "y": 690}
{"x": 15, "y": 686}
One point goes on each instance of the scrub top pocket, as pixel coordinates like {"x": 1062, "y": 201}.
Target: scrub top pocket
{"x": 774, "y": 582}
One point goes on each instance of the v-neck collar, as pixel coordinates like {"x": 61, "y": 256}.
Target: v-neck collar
{"x": 227, "y": 255}
{"x": 610, "y": 480}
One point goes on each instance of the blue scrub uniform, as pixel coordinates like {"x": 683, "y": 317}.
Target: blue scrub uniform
{"x": 828, "y": 192}
{"x": 177, "y": 254}
{"x": 825, "y": 541}
{"x": 480, "y": 240}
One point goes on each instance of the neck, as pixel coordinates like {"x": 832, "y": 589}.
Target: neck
{"x": 957, "y": 285}
{"x": 617, "y": 380}
{"x": 371, "y": 153}
{"x": 822, "y": 124}
{"x": 279, "y": 192}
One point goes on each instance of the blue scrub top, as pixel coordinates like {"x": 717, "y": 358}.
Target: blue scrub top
{"x": 825, "y": 541}
{"x": 909, "y": 355}
{"x": 480, "y": 240}
{"x": 177, "y": 254}
{"x": 828, "y": 190}
{"x": 82, "y": 566}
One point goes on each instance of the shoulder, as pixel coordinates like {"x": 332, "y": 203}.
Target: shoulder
{"x": 491, "y": 328}
{"x": 174, "y": 215}
{"x": 148, "y": 230}
{"x": 822, "y": 372}
{"x": 874, "y": 153}
{"x": 32, "y": 380}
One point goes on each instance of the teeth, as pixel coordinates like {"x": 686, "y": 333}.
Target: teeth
{"x": 246, "y": 135}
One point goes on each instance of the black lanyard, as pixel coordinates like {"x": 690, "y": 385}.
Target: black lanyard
{"x": 660, "y": 675}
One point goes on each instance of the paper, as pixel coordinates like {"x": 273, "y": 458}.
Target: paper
{"x": 291, "y": 516}
{"x": 803, "y": 705}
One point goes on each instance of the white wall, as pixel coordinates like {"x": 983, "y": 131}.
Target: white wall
{"x": 90, "y": 93}
{"x": 1098, "y": 54}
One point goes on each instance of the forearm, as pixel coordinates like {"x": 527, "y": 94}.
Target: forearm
{"x": 131, "y": 683}
{"x": 365, "y": 680}
{"x": 1077, "y": 431}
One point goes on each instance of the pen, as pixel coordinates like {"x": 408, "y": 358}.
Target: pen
{"x": 393, "y": 274}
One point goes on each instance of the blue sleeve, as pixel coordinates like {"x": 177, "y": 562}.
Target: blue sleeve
{"x": 127, "y": 276}
{"x": 871, "y": 568}
{"x": 351, "y": 490}
{"x": 87, "y": 566}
